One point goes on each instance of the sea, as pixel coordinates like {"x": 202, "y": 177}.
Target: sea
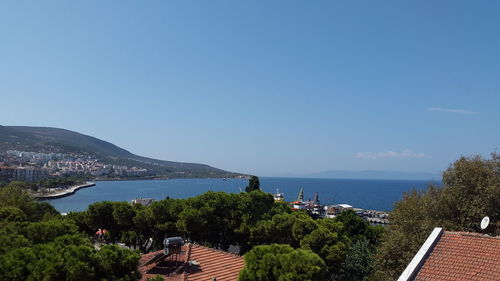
{"x": 366, "y": 194}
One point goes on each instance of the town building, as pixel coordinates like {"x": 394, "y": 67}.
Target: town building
{"x": 312, "y": 206}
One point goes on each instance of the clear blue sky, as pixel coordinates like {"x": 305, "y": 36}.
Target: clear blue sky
{"x": 263, "y": 87}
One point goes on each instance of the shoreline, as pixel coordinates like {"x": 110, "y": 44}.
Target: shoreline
{"x": 156, "y": 178}
{"x": 67, "y": 192}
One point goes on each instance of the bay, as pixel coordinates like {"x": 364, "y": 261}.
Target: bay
{"x": 366, "y": 194}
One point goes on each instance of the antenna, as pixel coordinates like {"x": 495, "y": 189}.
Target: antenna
{"x": 484, "y": 222}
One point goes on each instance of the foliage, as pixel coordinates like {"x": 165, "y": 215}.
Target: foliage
{"x": 359, "y": 261}
{"x": 282, "y": 262}
{"x": 57, "y": 182}
{"x": 156, "y": 278}
{"x": 38, "y": 244}
{"x": 471, "y": 190}
{"x": 14, "y": 195}
{"x": 253, "y": 184}
{"x": 322, "y": 236}
{"x": 44, "y": 139}
{"x": 215, "y": 219}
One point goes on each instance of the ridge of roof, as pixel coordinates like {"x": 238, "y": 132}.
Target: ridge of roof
{"x": 472, "y": 234}
{"x": 216, "y": 250}
{"x": 454, "y": 256}
{"x": 412, "y": 269}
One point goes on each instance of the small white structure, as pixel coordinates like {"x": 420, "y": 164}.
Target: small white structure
{"x": 344, "y": 206}
{"x": 279, "y": 196}
{"x": 143, "y": 201}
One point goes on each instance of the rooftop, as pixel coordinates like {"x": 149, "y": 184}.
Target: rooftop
{"x": 451, "y": 256}
{"x": 196, "y": 263}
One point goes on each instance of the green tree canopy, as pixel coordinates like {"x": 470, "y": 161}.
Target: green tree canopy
{"x": 282, "y": 262}
{"x": 36, "y": 243}
{"x": 253, "y": 184}
{"x": 470, "y": 191}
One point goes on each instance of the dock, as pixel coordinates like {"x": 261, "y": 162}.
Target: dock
{"x": 64, "y": 192}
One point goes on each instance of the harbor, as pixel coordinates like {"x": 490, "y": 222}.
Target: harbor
{"x": 315, "y": 209}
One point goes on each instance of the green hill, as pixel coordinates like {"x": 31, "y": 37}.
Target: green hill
{"x": 45, "y": 139}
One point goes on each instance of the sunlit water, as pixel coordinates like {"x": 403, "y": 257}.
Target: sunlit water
{"x": 367, "y": 194}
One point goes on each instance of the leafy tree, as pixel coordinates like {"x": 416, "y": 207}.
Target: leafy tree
{"x": 123, "y": 216}
{"x": 100, "y": 215}
{"x": 282, "y": 262}
{"x": 471, "y": 190}
{"x": 276, "y": 230}
{"x": 14, "y": 264}
{"x": 36, "y": 244}
{"x": 323, "y": 236}
{"x": 253, "y": 184}
{"x": 14, "y": 195}
{"x": 116, "y": 263}
{"x": 354, "y": 226}
{"x": 144, "y": 227}
{"x": 359, "y": 261}
{"x": 47, "y": 231}
{"x": 80, "y": 219}
{"x": 191, "y": 223}
{"x": 11, "y": 214}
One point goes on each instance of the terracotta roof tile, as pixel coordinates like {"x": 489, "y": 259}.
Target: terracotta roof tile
{"x": 212, "y": 263}
{"x": 462, "y": 256}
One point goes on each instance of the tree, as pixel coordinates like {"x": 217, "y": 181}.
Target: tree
{"x": 253, "y": 184}
{"x": 354, "y": 226}
{"x": 358, "y": 262}
{"x": 38, "y": 244}
{"x": 116, "y": 263}
{"x": 276, "y": 230}
{"x": 100, "y": 215}
{"x": 282, "y": 262}
{"x": 330, "y": 246}
{"x": 11, "y": 214}
{"x": 47, "y": 231}
{"x": 471, "y": 190}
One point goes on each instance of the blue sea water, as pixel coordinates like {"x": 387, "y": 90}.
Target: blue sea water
{"x": 366, "y": 194}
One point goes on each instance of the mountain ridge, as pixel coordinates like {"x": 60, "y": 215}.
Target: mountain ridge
{"x": 50, "y": 139}
{"x": 375, "y": 174}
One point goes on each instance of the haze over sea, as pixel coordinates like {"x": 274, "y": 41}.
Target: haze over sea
{"x": 366, "y": 194}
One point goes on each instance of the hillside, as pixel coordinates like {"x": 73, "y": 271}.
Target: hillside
{"x": 44, "y": 139}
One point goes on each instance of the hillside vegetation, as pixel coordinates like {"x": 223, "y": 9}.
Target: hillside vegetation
{"x": 44, "y": 139}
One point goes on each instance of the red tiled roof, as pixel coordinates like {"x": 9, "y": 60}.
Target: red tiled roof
{"x": 462, "y": 256}
{"x": 222, "y": 265}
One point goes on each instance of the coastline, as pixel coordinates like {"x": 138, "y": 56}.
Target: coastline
{"x": 66, "y": 192}
{"x": 161, "y": 178}
{"x": 130, "y": 179}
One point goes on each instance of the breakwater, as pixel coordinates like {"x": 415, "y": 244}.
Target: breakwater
{"x": 63, "y": 192}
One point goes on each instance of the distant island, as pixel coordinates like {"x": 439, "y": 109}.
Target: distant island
{"x": 375, "y": 175}
{"x": 35, "y": 153}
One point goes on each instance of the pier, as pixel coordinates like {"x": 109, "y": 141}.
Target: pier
{"x": 63, "y": 192}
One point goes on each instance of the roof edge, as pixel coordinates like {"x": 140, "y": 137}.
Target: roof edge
{"x": 417, "y": 261}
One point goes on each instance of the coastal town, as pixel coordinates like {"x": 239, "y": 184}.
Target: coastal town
{"x": 31, "y": 166}
{"x": 316, "y": 209}
{"x": 250, "y": 140}
{"x": 313, "y": 207}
